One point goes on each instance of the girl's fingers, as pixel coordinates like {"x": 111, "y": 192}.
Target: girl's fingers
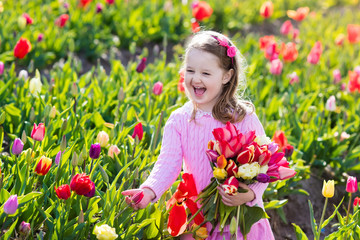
{"x": 130, "y": 192}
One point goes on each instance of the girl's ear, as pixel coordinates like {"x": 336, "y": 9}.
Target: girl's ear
{"x": 227, "y": 76}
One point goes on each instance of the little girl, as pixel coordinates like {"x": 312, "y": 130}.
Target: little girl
{"x": 214, "y": 69}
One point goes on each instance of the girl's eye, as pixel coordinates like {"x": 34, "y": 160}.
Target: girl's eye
{"x": 190, "y": 71}
{"x": 205, "y": 73}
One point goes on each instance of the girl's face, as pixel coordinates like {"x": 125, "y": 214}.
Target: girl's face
{"x": 204, "y": 78}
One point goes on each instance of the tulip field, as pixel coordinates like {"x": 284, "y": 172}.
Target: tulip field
{"x": 86, "y": 87}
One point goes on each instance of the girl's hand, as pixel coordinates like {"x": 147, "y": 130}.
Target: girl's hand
{"x": 237, "y": 199}
{"x": 138, "y": 198}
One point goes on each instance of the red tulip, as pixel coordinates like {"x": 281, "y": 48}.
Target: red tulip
{"x": 356, "y": 201}
{"x": 231, "y": 185}
{"x": 288, "y": 150}
{"x": 289, "y": 52}
{"x": 265, "y": 41}
{"x": 81, "y": 184}
{"x": 138, "y": 131}
{"x": 286, "y": 27}
{"x": 110, "y": 2}
{"x": 22, "y": 47}
{"x": 180, "y": 86}
{"x": 61, "y": 21}
{"x": 354, "y": 81}
{"x": 353, "y": 32}
{"x": 63, "y": 192}
{"x": 246, "y": 155}
{"x": 201, "y": 10}
{"x": 195, "y": 27}
{"x": 84, "y": 3}
{"x": 231, "y": 168}
{"x": 315, "y": 53}
{"x": 38, "y": 132}
{"x": 29, "y": 20}
{"x": 43, "y": 166}
{"x": 280, "y": 138}
{"x": 298, "y": 15}
{"x": 267, "y": 9}
{"x": 177, "y": 219}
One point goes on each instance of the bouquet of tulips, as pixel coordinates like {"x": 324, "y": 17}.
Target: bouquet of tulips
{"x": 237, "y": 157}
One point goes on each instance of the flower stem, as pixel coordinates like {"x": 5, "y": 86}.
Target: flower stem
{"x": 243, "y": 220}
{"x": 347, "y": 215}
{"x": 2, "y": 227}
{"x": 322, "y": 219}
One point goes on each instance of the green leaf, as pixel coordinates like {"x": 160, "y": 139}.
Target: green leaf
{"x": 326, "y": 222}
{"x": 10, "y": 230}
{"x": 30, "y": 196}
{"x": 275, "y": 204}
{"x": 312, "y": 219}
{"x": 300, "y": 235}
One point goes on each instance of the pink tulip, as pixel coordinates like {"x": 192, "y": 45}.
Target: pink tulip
{"x": 138, "y": 131}
{"x": 157, "y": 89}
{"x": 38, "y": 132}
{"x": 343, "y": 87}
{"x": 1, "y": 67}
{"x": 315, "y": 53}
{"x": 343, "y": 136}
{"x": 113, "y": 149}
{"x": 336, "y": 76}
{"x": 285, "y": 173}
{"x": 40, "y": 37}
{"x": 294, "y": 78}
{"x": 351, "y": 184}
{"x": 331, "y": 104}
{"x": 276, "y": 67}
{"x": 286, "y": 27}
{"x": 295, "y": 34}
{"x": 99, "y": 8}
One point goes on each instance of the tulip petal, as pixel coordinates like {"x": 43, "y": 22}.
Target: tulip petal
{"x": 177, "y": 220}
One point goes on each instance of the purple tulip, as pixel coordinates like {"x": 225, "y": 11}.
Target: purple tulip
{"x": 17, "y": 146}
{"x": 11, "y": 205}
{"x": 263, "y": 178}
{"x": 95, "y": 150}
{"x": 92, "y": 192}
{"x": 212, "y": 155}
{"x": 24, "y": 228}
{"x": 40, "y": 37}
{"x": 273, "y": 147}
{"x": 58, "y": 156}
{"x": 99, "y": 8}
{"x": 1, "y": 67}
{"x": 141, "y": 67}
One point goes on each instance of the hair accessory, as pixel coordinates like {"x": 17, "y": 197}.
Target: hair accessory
{"x": 231, "y": 50}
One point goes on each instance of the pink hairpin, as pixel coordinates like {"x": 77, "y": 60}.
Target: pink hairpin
{"x": 231, "y": 50}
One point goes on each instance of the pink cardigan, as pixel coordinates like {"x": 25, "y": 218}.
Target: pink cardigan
{"x": 184, "y": 144}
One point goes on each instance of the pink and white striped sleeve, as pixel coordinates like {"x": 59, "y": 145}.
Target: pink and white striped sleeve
{"x": 168, "y": 165}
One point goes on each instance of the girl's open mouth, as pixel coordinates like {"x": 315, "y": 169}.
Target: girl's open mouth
{"x": 199, "y": 91}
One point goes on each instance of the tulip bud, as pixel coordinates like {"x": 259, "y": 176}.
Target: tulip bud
{"x": 11, "y": 205}
{"x": 21, "y": 22}
{"x": 58, "y": 157}
{"x": 43, "y": 166}
{"x": 63, "y": 143}
{"x": 103, "y": 138}
{"x": 17, "y": 146}
{"x": 121, "y": 94}
{"x": 74, "y": 160}
{"x": 28, "y": 157}
{"x": 233, "y": 226}
{"x": 24, "y": 229}
{"x": 220, "y": 173}
{"x": 32, "y": 115}
{"x": 64, "y": 124}
{"x": 35, "y": 84}
{"x": 81, "y": 217}
{"x": 137, "y": 197}
{"x": 336, "y": 76}
{"x": 23, "y": 137}
{"x": 312, "y": 109}
{"x": 305, "y": 117}
{"x": 141, "y": 67}
{"x": 74, "y": 90}
{"x": 104, "y": 174}
{"x": 47, "y": 110}
{"x": 138, "y": 131}
{"x": 80, "y": 159}
{"x": 84, "y": 153}
{"x": 2, "y": 118}
{"x": 264, "y": 178}
{"x": 23, "y": 74}
{"x": 1, "y": 67}
{"x": 356, "y": 202}
{"x": 52, "y": 113}
{"x": 113, "y": 150}
{"x": 331, "y": 104}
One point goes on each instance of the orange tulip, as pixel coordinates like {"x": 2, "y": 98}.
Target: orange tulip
{"x": 298, "y": 15}
{"x": 289, "y": 52}
{"x": 353, "y": 31}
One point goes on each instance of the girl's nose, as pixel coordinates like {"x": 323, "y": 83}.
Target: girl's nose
{"x": 196, "y": 78}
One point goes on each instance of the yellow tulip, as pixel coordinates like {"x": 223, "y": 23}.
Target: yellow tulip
{"x": 220, "y": 173}
{"x": 328, "y": 189}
